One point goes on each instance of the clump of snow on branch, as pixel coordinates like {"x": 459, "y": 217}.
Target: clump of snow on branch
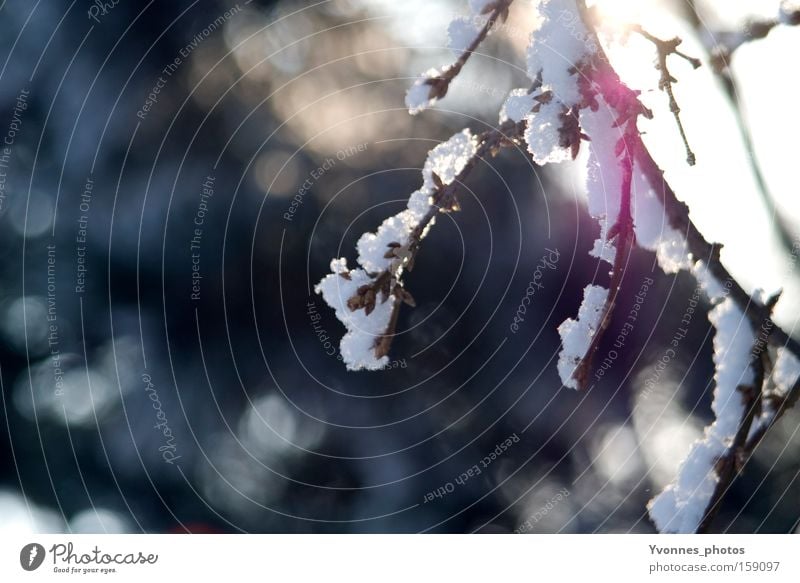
{"x": 680, "y": 508}
{"x": 357, "y": 345}
{"x": 517, "y": 105}
{"x": 785, "y": 374}
{"x": 652, "y": 228}
{"x": 543, "y": 134}
{"x": 367, "y": 322}
{"x": 461, "y": 33}
{"x": 603, "y": 174}
{"x": 576, "y": 335}
{"x": 445, "y": 161}
{"x": 449, "y": 158}
{"x": 419, "y": 96}
{"x": 559, "y": 44}
{"x": 710, "y": 285}
{"x": 603, "y": 187}
{"x": 786, "y": 371}
{"x": 372, "y": 246}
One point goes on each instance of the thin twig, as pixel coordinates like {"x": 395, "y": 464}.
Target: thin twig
{"x": 497, "y": 10}
{"x": 665, "y": 48}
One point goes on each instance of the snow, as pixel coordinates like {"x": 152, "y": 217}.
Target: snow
{"x": 733, "y": 344}
{"x": 449, "y": 158}
{"x": 604, "y": 189}
{"x": 603, "y": 174}
{"x": 682, "y": 504}
{"x": 672, "y": 252}
{"x": 357, "y": 345}
{"x": 461, "y": 32}
{"x": 372, "y": 247}
{"x": 710, "y": 284}
{"x": 446, "y": 160}
{"x": 542, "y": 134}
{"x": 785, "y": 373}
{"x": 576, "y": 335}
{"x": 518, "y": 104}
{"x": 653, "y": 230}
{"x": 558, "y": 44}
{"x": 418, "y": 95}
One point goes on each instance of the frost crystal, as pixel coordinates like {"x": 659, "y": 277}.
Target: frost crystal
{"x": 681, "y": 506}
{"x": 576, "y": 335}
{"x": 363, "y": 329}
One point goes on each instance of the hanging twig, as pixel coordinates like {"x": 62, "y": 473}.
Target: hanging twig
{"x": 665, "y": 48}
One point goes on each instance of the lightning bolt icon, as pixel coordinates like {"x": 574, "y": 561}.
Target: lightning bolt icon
{"x": 34, "y": 552}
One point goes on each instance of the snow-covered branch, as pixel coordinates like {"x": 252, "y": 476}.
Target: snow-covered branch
{"x": 464, "y": 35}
{"x": 367, "y": 299}
{"x": 577, "y": 96}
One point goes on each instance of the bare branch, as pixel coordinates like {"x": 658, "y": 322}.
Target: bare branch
{"x": 445, "y": 199}
{"x": 666, "y": 48}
